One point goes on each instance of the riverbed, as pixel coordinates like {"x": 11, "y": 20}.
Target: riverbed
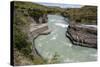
{"x": 58, "y": 47}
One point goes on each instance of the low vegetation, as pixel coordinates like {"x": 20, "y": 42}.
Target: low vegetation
{"x": 23, "y": 13}
{"x": 24, "y": 10}
{"x": 84, "y": 15}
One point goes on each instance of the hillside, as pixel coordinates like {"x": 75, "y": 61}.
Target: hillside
{"x": 29, "y": 15}
{"x": 85, "y": 14}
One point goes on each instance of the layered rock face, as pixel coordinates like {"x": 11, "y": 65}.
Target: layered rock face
{"x": 83, "y": 35}
{"x": 38, "y": 15}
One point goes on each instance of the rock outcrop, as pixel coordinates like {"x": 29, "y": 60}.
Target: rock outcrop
{"x": 37, "y": 29}
{"x": 82, "y": 35}
{"x": 39, "y": 15}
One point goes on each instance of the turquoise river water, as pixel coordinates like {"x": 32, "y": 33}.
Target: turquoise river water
{"x": 56, "y": 43}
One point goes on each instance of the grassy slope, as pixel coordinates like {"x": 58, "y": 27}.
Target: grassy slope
{"x": 85, "y": 15}
{"x": 22, "y": 47}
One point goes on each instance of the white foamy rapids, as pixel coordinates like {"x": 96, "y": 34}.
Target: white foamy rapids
{"x": 94, "y": 55}
{"x": 61, "y": 25}
{"x": 54, "y": 37}
{"x": 68, "y": 60}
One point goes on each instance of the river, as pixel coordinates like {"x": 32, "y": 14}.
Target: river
{"x": 58, "y": 47}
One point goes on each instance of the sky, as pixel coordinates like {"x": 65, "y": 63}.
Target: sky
{"x": 62, "y": 5}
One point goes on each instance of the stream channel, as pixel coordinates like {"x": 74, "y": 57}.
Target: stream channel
{"x": 57, "y": 45}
